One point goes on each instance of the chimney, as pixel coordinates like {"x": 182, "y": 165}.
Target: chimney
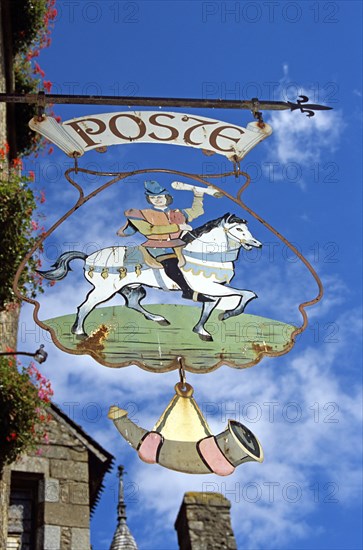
{"x": 204, "y": 523}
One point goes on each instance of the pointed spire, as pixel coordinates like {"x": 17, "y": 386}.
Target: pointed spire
{"x": 121, "y": 507}
{"x": 122, "y": 539}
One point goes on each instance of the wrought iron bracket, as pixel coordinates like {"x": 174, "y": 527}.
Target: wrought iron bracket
{"x": 254, "y": 105}
{"x": 40, "y": 355}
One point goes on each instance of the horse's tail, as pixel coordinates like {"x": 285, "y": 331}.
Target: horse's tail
{"x": 61, "y": 266}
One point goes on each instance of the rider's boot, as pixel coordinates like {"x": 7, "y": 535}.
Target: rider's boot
{"x": 172, "y": 270}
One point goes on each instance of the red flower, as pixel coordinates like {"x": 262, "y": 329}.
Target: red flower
{"x": 47, "y": 85}
{"x": 38, "y": 70}
{"x": 32, "y": 175}
{"x": 11, "y": 436}
{"x": 17, "y": 163}
{"x": 4, "y": 150}
{"x": 11, "y": 307}
{"x": 42, "y": 197}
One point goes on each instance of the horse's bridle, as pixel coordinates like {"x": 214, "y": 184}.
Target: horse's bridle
{"x": 233, "y": 237}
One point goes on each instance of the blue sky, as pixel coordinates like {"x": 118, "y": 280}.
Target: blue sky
{"x": 306, "y": 181}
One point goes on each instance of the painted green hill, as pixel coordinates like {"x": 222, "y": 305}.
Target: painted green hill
{"x": 120, "y": 336}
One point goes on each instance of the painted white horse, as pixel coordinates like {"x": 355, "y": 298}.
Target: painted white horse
{"x": 210, "y": 253}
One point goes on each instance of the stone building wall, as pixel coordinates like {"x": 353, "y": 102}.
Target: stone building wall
{"x": 63, "y": 494}
{"x": 204, "y": 523}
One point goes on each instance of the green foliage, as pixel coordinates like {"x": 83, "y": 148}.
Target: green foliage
{"x": 28, "y": 21}
{"x": 31, "y": 21}
{"x": 27, "y": 141}
{"x": 17, "y": 205}
{"x": 24, "y": 393}
{"x": 24, "y": 396}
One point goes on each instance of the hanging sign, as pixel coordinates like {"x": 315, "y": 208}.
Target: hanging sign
{"x": 181, "y": 303}
{"x": 191, "y": 246}
{"x": 79, "y": 135}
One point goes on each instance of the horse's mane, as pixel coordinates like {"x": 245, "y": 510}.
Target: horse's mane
{"x": 211, "y": 224}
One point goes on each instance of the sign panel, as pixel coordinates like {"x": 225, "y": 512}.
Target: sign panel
{"x": 78, "y": 135}
{"x": 183, "y": 300}
{"x": 179, "y": 289}
{"x": 170, "y": 258}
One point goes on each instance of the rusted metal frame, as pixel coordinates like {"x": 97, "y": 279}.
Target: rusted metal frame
{"x": 302, "y": 258}
{"x": 146, "y": 101}
{"x": 40, "y": 355}
{"x": 80, "y": 201}
{"x": 253, "y": 104}
{"x": 197, "y": 177}
{"x": 27, "y": 353}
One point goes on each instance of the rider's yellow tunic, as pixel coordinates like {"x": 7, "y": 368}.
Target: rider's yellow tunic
{"x": 161, "y": 227}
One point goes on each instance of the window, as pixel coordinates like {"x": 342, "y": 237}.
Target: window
{"x": 23, "y": 517}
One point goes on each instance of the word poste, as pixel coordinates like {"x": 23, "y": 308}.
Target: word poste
{"x": 82, "y": 134}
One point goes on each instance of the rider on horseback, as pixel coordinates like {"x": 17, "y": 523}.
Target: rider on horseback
{"x": 163, "y": 228}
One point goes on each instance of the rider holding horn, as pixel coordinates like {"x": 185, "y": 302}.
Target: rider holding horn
{"x": 163, "y": 227}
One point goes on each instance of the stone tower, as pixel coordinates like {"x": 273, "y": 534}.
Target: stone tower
{"x": 122, "y": 539}
{"x": 204, "y": 523}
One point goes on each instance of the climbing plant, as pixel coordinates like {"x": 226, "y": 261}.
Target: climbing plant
{"x": 24, "y": 397}
{"x": 31, "y": 24}
{"x": 19, "y": 227}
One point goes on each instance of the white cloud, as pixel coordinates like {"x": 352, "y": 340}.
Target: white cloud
{"x": 325, "y": 440}
{"x": 300, "y": 140}
{"x": 311, "y": 452}
{"x": 294, "y": 452}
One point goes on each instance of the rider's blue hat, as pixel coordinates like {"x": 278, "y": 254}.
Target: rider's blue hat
{"x": 154, "y": 188}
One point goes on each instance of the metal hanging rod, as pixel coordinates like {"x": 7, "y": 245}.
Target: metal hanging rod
{"x": 255, "y": 105}
{"x": 40, "y": 355}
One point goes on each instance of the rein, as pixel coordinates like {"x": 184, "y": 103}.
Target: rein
{"x": 227, "y": 255}
{"x": 234, "y": 238}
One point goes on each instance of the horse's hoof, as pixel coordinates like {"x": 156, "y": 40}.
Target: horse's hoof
{"x": 163, "y": 322}
{"x": 205, "y": 337}
{"x": 83, "y": 336}
{"x": 226, "y": 316}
